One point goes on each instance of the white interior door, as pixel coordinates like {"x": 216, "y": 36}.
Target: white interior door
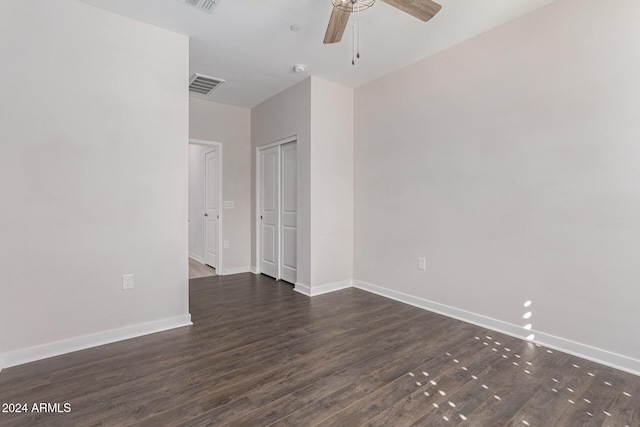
{"x": 211, "y": 209}
{"x": 288, "y": 266}
{"x": 269, "y": 211}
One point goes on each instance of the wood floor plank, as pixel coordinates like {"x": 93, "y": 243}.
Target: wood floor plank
{"x": 317, "y": 411}
{"x": 261, "y": 354}
{"x": 269, "y": 413}
{"x": 218, "y": 416}
{"x": 600, "y": 396}
{"x": 625, "y": 411}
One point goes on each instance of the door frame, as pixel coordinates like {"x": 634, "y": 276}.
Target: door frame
{"x": 292, "y": 138}
{"x": 218, "y": 145}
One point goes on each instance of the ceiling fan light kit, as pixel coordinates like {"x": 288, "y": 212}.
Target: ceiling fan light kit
{"x": 342, "y": 10}
{"x": 353, "y": 5}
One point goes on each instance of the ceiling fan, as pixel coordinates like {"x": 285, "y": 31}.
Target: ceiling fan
{"x": 342, "y": 9}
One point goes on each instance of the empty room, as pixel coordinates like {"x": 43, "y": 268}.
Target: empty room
{"x": 319, "y": 212}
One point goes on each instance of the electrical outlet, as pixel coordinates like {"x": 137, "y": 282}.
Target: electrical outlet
{"x": 422, "y": 264}
{"x": 127, "y": 281}
{"x": 225, "y": 244}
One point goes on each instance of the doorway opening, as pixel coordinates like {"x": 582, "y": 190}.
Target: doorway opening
{"x": 205, "y": 201}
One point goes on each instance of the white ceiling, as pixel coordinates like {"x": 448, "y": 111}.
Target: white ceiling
{"x": 249, "y": 43}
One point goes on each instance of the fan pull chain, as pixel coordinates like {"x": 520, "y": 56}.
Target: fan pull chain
{"x": 355, "y": 34}
{"x": 353, "y": 44}
{"x": 358, "y": 23}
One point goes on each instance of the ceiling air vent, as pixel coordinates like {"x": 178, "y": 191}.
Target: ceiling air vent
{"x": 203, "y": 84}
{"x": 203, "y": 5}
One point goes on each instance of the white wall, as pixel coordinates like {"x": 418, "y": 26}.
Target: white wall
{"x": 93, "y": 176}
{"x": 331, "y": 183}
{"x": 284, "y": 115}
{"x": 230, "y": 126}
{"x": 511, "y": 163}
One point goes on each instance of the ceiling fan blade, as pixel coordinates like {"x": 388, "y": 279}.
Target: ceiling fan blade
{"x": 338, "y": 23}
{"x": 421, "y": 9}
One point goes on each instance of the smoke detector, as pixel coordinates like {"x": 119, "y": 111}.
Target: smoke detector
{"x": 203, "y": 5}
{"x": 203, "y": 84}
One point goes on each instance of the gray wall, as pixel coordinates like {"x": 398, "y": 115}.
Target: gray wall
{"x": 511, "y": 163}
{"x": 331, "y": 183}
{"x": 93, "y": 173}
{"x": 320, "y": 114}
{"x": 284, "y": 115}
{"x": 230, "y": 126}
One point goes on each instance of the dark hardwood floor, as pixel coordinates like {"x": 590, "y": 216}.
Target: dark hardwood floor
{"x": 260, "y": 354}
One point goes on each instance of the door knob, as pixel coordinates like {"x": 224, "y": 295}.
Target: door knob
{"x": 206, "y": 214}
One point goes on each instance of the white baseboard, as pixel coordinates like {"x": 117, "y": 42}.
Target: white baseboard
{"x": 594, "y": 354}
{"x": 604, "y": 357}
{"x": 236, "y": 270}
{"x": 254, "y": 269}
{"x": 196, "y": 257}
{"x": 303, "y": 289}
{"x": 44, "y": 351}
{"x": 322, "y": 289}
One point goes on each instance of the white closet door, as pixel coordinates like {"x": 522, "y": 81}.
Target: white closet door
{"x": 269, "y": 211}
{"x": 288, "y": 234}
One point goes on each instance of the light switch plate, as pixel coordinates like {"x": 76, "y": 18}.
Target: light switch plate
{"x": 127, "y": 281}
{"x": 228, "y": 205}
